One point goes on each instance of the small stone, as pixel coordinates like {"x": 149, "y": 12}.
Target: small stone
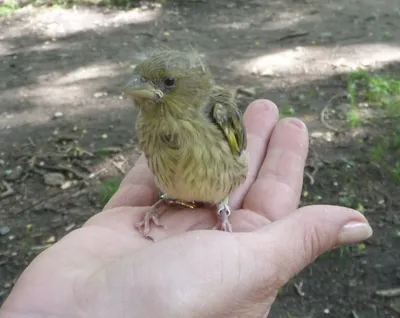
{"x": 250, "y": 92}
{"x": 58, "y": 115}
{"x": 267, "y": 72}
{"x": 326, "y": 311}
{"x": 66, "y": 185}
{"x": 317, "y": 134}
{"x": 104, "y": 136}
{"x": 326, "y": 34}
{"x": 11, "y": 237}
{"x": 70, "y": 227}
{"x": 54, "y": 179}
{"x": 99, "y": 94}
{"x": 13, "y": 174}
{"x": 4, "y": 230}
{"x": 328, "y": 136}
{"x": 51, "y": 239}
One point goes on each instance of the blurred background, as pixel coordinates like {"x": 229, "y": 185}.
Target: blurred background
{"x": 67, "y": 133}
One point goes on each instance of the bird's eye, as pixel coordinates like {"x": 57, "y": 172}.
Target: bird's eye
{"x": 170, "y": 82}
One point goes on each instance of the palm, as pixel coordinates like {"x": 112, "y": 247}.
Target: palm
{"x": 271, "y": 191}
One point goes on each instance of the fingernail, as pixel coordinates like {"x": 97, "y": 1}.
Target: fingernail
{"x": 297, "y": 123}
{"x": 354, "y": 232}
{"x": 262, "y": 103}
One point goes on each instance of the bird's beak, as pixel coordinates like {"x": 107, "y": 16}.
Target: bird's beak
{"x": 142, "y": 91}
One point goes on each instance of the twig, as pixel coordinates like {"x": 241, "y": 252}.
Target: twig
{"x": 299, "y": 288}
{"x": 79, "y": 193}
{"x": 310, "y": 177}
{"x": 9, "y": 190}
{"x": 95, "y": 174}
{"x": 322, "y": 115}
{"x": 66, "y": 137}
{"x": 110, "y": 150}
{"x": 31, "y": 142}
{"x": 82, "y": 166}
{"x": 61, "y": 168}
{"x": 119, "y": 167}
{"x": 334, "y": 51}
{"x": 40, "y": 247}
{"x": 354, "y": 314}
{"x": 292, "y": 35}
{"x": 32, "y": 161}
{"x": 148, "y": 34}
{"x": 393, "y": 292}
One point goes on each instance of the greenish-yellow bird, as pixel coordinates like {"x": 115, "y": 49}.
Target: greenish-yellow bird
{"x": 190, "y": 131}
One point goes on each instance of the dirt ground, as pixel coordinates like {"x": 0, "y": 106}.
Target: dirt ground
{"x": 64, "y": 122}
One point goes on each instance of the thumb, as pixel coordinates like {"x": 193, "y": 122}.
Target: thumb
{"x": 285, "y": 247}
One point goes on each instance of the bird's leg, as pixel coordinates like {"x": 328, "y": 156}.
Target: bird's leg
{"x": 189, "y": 205}
{"x": 223, "y": 213}
{"x": 151, "y": 215}
{"x": 155, "y": 212}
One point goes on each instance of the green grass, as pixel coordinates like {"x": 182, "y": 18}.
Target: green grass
{"x": 396, "y": 171}
{"x": 109, "y": 187}
{"x": 353, "y": 117}
{"x": 287, "y": 111}
{"x": 382, "y": 94}
{"x": 383, "y": 90}
{"x": 378, "y": 151}
{"x": 380, "y": 90}
{"x": 8, "y": 7}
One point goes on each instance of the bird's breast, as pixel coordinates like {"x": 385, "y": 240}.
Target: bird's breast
{"x": 192, "y": 163}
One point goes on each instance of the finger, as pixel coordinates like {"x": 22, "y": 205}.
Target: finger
{"x": 239, "y": 272}
{"x": 277, "y": 189}
{"x": 285, "y": 247}
{"x": 136, "y": 189}
{"x": 259, "y": 120}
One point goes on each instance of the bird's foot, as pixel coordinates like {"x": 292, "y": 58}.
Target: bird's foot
{"x": 151, "y": 216}
{"x": 223, "y": 213}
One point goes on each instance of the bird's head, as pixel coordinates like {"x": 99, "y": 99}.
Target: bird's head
{"x": 170, "y": 81}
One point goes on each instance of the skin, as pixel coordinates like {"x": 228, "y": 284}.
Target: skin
{"x": 107, "y": 269}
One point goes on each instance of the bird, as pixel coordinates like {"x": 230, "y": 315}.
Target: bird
{"x": 191, "y": 132}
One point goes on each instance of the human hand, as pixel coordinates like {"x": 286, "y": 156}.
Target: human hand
{"x": 107, "y": 269}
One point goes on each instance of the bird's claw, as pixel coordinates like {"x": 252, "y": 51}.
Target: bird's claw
{"x": 223, "y": 213}
{"x": 152, "y": 216}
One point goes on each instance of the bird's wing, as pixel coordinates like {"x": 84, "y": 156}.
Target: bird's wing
{"x": 228, "y": 118}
